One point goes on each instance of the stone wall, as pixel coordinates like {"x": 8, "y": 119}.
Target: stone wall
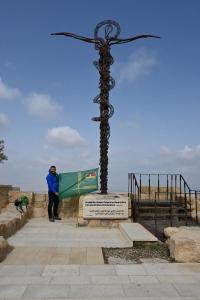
{"x": 68, "y": 208}
{"x": 4, "y": 192}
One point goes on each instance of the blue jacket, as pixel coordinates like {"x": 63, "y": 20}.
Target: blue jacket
{"x": 52, "y": 181}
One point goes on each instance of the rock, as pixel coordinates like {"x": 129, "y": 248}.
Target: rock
{"x": 5, "y": 248}
{"x": 184, "y": 244}
{"x": 169, "y": 231}
{"x": 82, "y": 222}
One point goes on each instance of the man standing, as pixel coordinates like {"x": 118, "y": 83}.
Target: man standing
{"x": 52, "y": 181}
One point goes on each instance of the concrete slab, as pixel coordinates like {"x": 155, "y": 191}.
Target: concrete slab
{"x": 135, "y": 232}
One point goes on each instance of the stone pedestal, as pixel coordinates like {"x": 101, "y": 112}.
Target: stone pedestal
{"x": 96, "y": 210}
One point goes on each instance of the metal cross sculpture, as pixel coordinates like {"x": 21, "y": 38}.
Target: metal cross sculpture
{"x": 106, "y": 83}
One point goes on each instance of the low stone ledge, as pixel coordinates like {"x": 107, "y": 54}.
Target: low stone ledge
{"x": 5, "y": 248}
{"x": 11, "y": 221}
{"x": 184, "y": 243}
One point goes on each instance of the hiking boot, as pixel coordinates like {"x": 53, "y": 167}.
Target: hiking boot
{"x": 51, "y": 220}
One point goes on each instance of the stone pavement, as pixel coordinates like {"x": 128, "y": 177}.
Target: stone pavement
{"x": 133, "y": 282}
{"x": 43, "y": 242}
{"x": 39, "y": 268}
{"x": 41, "y": 232}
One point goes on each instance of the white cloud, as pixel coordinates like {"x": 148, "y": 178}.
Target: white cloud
{"x": 140, "y": 63}
{"x": 187, "y": 153}
{"x": 64, "y": 136}
{"x": 7, "y": 92}
{"x": 3, "y": 120}
{"x": 42, "y": 106}
{"x": 190, "y": 153}
{"x": 165, "y": 150}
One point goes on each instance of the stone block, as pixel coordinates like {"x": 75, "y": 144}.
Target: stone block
{"x": 39, "y": 212}
{"x": 169, "y": 231}
{"x": 184, "y": 244}
{"x": 94, "y": 223}
{"x": 38, "y": 197}
{"x": 5, "y": 248}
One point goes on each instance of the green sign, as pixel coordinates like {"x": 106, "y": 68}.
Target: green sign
{"x": 78, "y": 183}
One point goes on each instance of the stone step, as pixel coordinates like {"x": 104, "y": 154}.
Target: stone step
{"x": 159, "y": 203}
{"x": 55, "y": 256}
{"x": 135, "y": 232}
{"x": 160, "y": 216}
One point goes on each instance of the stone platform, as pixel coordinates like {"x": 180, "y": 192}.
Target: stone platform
{"x": 61, "y": 242}
{"x": 61, "y": 261}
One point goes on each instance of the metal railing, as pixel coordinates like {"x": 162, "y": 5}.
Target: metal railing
{"x": 158, "y": 190}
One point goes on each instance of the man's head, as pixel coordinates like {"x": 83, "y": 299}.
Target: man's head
{"x": 52, "y": 169}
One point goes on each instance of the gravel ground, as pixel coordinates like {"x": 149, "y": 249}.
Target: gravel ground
{"x": 139, "y": 253}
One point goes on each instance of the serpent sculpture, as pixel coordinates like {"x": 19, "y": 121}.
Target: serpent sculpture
{"x": 103, "y": 42}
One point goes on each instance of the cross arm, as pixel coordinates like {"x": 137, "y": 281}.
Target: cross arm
{"x": 128, "y": 40}
{"x": 75, "y": 36}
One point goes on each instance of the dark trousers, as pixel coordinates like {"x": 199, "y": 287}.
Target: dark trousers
{"x": 53, "y": 205}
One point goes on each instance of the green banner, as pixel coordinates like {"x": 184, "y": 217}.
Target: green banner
{"x": 78, "y": 183}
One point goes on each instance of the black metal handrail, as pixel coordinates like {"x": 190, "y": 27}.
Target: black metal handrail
{"x": 174, "y": 186}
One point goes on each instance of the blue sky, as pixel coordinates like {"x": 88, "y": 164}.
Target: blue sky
{"x": 48, "y": 83}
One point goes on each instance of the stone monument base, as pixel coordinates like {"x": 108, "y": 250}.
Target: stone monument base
{"x": 97, "y": 210}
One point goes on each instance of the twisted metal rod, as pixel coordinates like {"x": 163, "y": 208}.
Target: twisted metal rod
{"x": 106, "y": 83}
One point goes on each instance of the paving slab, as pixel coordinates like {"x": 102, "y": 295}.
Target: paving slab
{"x": 98, "y": 270}
{"x": 150, "y": 290}
{"x": 94, "y": 290}
{"x": 135, "y": 232}
{"x": 24, "y": 270}
{"x": 130, "y": 269}
{"x": 143, "y": 279}
{"x": 187, "y": 289}
{"x": 24, "y": 280}
{"x": 12, "y": 291}
{"x": 94, "y": 256}
{"x": 70, "y": 279}
{"x": 44, "y": 291}
{"x": 177, "y": 269}
{"x": 179, "y": 279}
{"x": 109, "y": 279}
{"x": 58, "y": 270}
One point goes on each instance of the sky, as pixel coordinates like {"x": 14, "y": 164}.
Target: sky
{"x": 47, "y": 84}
